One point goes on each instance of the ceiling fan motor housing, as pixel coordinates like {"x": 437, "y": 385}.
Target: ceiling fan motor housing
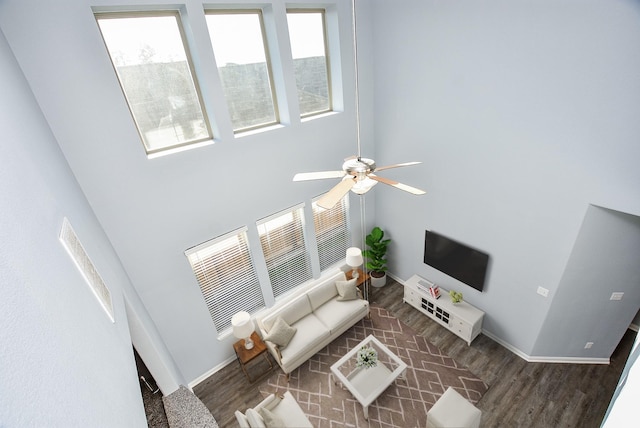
{"x": 359, "y": 168}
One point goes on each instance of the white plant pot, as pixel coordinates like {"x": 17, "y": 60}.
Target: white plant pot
{"x": 378, "y": 282}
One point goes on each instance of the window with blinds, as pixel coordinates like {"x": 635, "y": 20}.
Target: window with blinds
{"x": 227, "y": 277}
{"x": 284, "y": 248}
{"x": 332, "y": 232}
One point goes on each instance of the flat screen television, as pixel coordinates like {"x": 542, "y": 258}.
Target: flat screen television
{"x": 457, "y": 260}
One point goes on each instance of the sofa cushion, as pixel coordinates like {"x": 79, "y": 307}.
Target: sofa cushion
{"x": 347, "y": 290}
{"x": 335, "y": 314}
{"x": 271, "y": 420}
{"x": 290, "y": 313}
{"x": 281, "y": 333}
{"x": 310, "y": 332}
{"x": 321, "y": 293}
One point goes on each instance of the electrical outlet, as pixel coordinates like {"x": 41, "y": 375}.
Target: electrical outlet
{"x": 543, "y": 291}
{"x": 616, "y": 296}
{"x": 588, "y": 345}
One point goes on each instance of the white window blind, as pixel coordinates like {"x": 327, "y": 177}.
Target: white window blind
{"x": 284, "y": 248}
{"x": 74, "y": 247}
{"x": 227, "y": 277}
{"x": 332, "y": 232}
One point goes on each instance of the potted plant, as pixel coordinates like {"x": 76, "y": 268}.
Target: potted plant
{"x": 376, "y": 263}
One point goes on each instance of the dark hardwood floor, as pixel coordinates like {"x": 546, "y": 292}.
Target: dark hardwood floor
{"x": 520, "y": 394}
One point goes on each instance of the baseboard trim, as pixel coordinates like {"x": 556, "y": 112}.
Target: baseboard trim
{"x": 213, "y": 370}
{"x": 538, "y": 359}
{"x": 530, "y": 358}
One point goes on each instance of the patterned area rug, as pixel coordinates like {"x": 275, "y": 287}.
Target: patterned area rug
{"x": 404, "y": 404}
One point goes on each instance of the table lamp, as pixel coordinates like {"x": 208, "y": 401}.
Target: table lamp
{"x": 354, "y": 259}
{"x": 242, "y": 325}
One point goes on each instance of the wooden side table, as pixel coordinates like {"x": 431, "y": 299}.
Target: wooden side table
{"x": 245, "y": 356}
{"x": 362, "y": 277}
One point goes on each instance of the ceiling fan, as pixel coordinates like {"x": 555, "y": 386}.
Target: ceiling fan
{"x": 358, "y": 173}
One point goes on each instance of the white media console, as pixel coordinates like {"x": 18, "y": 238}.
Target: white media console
{"x": 461, "y": 318}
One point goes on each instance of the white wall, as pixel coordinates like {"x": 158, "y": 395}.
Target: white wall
{"x": 603, "y": 261}
{"x": 523, "y": 113}
{"x": 153, "y": 210}
{"x": 62, "y": 361}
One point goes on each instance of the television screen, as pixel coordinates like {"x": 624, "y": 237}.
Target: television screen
{"x": 457, "y": 260}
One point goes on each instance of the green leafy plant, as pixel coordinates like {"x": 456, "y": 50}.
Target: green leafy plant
{"x": 367, "y": 357}
{"x": 456, "y": 297}
{"x": 376, "y": 252}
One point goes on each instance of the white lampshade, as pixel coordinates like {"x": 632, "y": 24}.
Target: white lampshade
{"x": 354, "y": 257}
{"x": 242, "y": 326}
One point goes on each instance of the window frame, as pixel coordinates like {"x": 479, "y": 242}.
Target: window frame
{"x": 269, "y": 65}
{"x": 192, "y": 71}
{"x": 325, "y": 36}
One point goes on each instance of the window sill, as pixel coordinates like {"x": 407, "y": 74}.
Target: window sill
{"x": 179, "y": 149}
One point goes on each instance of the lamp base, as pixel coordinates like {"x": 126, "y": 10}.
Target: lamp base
{"x": 248, "y": 343}
{"x": 354, "y": 273}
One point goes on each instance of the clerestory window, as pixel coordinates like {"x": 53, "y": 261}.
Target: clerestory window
{"x": 152, "y": 62}
{"x": 240, "y": 50}
{"x": 307, "y": 34}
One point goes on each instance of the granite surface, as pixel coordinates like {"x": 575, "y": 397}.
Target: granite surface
{"x": 185, "y": 410}
{"x": 154, "y": 409}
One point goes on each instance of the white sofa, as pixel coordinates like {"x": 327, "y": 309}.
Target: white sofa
{"x": 281, "y": 411}
{"x": 319, "y": 315}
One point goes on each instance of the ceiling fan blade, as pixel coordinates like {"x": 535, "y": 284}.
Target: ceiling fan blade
{"x": 397, "y": 185}
{"x": 333, "y": 196}
{"x": 303, "y": 176}
{"x": 398, "y": 165}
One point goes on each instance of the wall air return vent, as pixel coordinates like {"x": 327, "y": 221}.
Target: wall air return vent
{"x": 75, "y": 249}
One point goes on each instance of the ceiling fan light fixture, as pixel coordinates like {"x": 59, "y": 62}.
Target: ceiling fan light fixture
{"x": 363, "y": 186}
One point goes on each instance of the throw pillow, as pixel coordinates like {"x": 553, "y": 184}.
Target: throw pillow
{"x": 347, "y": 290}
{"x": 281, "y": 333}
{"x": 271, "y": 419}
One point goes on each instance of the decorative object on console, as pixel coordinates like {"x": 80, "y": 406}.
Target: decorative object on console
{"x": 456, "y": 297}
{"x": 354, "y": 260}
{"x": 242, "y": 326}
{"x": 434, "y": 291}
{"x": 375, "y": 254}
{"x": 367, "y": 357}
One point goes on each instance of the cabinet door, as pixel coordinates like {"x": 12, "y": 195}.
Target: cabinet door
{"x": 410, "y": 296}
{"x": 460, "y": 327}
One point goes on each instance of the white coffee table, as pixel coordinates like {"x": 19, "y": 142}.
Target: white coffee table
{"x": 366, "y": 384}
